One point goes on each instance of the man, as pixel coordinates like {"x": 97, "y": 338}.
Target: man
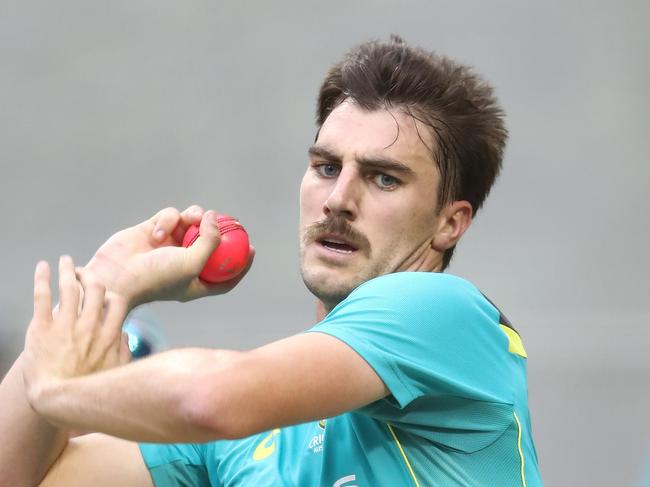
{"x": 410, "y": 378}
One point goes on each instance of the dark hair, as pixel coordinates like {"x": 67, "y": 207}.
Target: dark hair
{"x": 454, "y": 102}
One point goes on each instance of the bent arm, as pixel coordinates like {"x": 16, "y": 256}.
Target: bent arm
{"x": 194, "y": 395}
{"x": 34, "y": 452}
{"x": 30, "y": 444}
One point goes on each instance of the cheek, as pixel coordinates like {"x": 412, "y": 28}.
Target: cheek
{"x": 304, "y": 192}
{"x": 384, "y": 229}
{"x": 402, "y": 226}
{"x": 312, "y": 197}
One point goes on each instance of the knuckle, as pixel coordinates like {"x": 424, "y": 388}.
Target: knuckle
{"x": 68, "y": 282}
{"x": 96, "y": 287}
{"x": 170, "y": 211}
{"x": 164, "y": 214}
{"x": 40, "y": 293}
{"x": 108, "y": 342}
{"x": 113, "y": 336}
{"x": 116, "y": 302}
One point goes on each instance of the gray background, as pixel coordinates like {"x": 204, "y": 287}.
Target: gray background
{"x": 110, "y": 111}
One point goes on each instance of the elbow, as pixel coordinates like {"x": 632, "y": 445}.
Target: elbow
{"x": 209, "y": 406}
{"x": 202, "y": 417}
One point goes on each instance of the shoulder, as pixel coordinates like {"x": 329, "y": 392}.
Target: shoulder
{"x": 413, "y": 293}
{"x": 425, "y": 334}
{"x": 408, "y": 282}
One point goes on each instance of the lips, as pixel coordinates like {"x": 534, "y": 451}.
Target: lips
{"x": 336, "y": 243}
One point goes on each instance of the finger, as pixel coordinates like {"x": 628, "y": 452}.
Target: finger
{"x": 165, "y": 222}
{"x": 68, "y": 289}
{"x": 208, "y": 240}
{"x": 42, "y": 292}
{"x": 190, "y": 216}
{"x": 80, "y": 273}
{"x": 92, "y": 308}
{"x": 114, "y": 314}
{"x": 125, "y": 351}
{"x": 221, "y": 287}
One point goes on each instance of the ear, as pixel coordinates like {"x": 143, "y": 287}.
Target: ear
{"x": 453, "y": 220}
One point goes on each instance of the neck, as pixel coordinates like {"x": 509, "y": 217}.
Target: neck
{"x": 426, "y": 260}
{"x": 431, "y": 263}
{"x": 321, "y": 310}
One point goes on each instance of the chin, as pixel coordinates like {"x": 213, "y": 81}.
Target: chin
{"x": 328, "y": 287}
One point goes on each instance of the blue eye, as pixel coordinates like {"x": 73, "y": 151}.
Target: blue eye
{"x": 327, "y": 170}
{"x": 385, "y": 181}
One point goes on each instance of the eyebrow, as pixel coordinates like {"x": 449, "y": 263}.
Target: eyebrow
{"x": 375, "y": 162}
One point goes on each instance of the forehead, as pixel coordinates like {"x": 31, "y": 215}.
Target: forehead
{"x": 353, "y": 131}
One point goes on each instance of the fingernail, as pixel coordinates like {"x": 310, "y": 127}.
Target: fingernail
{"x": 159, "y": 234}
{"x": 212, "y": 217}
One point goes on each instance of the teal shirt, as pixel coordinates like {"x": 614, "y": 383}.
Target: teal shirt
{"x": 457, "y": 414}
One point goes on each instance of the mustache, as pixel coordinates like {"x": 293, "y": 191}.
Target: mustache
{"x": 338, "y": 226}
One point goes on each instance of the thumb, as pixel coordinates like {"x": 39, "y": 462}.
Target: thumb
{"x": 207, "y": 241}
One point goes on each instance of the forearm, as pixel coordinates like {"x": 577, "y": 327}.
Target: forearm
{"x": 146, "y": 400}
{"x": 30, "y": 444}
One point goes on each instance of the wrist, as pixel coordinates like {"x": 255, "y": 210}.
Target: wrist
{"x": 42, "y": 395}
{"x": 112, "y": 281}
{"x": 130, "y": 302}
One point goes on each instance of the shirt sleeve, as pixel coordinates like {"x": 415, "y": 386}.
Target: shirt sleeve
{"x": 175, "y": 465}
{"x": 435, "y": 341}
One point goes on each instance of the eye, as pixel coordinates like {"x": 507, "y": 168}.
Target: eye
{"x": 327, "y": 170}
{"x": 385, "y": 181}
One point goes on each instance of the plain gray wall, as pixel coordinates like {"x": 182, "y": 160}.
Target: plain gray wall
{"x": 110, "y": 111}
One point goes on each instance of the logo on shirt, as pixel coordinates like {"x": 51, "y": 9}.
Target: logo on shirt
{"x": 266, "y": 448}
{"x": 316, "y": 442}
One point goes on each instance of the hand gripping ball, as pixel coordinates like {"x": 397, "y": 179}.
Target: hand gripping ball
{"x": 231, "y": 255}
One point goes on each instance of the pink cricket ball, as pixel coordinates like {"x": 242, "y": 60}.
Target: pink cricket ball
{"x": 231, "y": 255}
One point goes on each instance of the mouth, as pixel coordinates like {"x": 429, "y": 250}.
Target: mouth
{"x": 336, "y": 243}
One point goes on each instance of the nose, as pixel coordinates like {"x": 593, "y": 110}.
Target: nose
{"x": 344, "y": 199}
